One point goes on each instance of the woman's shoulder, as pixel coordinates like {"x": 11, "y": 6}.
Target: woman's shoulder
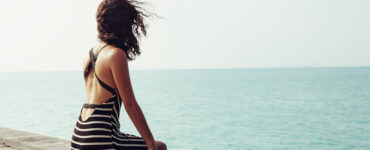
{"x": 117, "y": 61}
{"x": 114, "y": 54}
{"x": 115, "y": 57}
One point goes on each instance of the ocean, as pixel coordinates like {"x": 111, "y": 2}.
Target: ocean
{"x": 210, "y": 109}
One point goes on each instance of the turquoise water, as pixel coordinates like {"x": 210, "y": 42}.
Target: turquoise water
{"x": 233, "y": 109}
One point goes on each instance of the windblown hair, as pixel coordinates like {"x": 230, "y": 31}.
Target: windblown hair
{"x": 121, "y": 24}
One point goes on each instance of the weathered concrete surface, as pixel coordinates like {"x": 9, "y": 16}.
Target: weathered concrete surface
{"x": 6, "y": 147}
{"x": 16, "y": 139}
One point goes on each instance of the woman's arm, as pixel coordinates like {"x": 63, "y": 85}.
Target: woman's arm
{"x": 120, "y": 71}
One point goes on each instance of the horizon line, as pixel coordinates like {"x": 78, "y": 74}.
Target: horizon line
{"x": 221, "y": 68}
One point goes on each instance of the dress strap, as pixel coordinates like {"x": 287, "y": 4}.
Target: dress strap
{"x": 89, "y": 105}
{"x": 93, "y": 59}
{"x": 107, "y": 87}
{"x": 92, "y": 55}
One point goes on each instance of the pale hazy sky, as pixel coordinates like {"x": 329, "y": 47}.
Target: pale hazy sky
{"x": 57, "y": 34}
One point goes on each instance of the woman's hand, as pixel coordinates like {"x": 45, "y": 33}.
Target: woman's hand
{"x": 152, "y": 147}
{"x": 158, "y": 145}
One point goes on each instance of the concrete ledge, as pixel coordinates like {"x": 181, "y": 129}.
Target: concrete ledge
{"x": 22, "y": 140}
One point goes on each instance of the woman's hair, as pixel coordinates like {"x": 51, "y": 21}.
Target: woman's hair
{"x": 121, "y": 24}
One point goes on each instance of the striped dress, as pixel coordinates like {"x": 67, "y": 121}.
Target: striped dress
{"x": 102, "y": 129}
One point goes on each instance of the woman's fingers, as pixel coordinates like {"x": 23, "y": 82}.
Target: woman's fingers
{"x": 161, "y": 145}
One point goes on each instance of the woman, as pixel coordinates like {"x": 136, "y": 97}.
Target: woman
{"x": 107, "y": 82}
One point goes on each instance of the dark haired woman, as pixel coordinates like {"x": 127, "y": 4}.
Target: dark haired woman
{"x": 107, "y": 82}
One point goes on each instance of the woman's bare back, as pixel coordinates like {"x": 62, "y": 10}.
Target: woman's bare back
{"x": 95, "y": 93}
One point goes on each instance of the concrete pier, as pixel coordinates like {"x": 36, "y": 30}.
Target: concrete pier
{"x": 11, "y": 139}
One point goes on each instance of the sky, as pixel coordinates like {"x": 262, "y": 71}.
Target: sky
{"x": 55, "y": 35}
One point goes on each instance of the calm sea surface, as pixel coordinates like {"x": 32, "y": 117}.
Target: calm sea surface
{"x": 225, "y": 109}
